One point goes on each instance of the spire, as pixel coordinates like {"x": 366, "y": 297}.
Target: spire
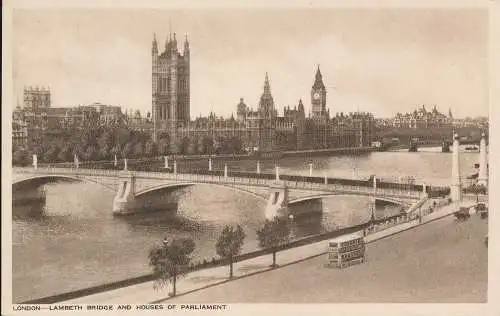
{"x": 449, "y": 113}
{"x": 267, "y": 87}
{"x": 318, "y": 82}
{"x": 154, "y": 50}
{"x": 186, "y": 45}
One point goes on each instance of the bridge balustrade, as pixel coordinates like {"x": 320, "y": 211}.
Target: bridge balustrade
{"x": 299, "y": 182}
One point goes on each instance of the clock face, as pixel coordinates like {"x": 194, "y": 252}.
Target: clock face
{"x": 316, "y": 96}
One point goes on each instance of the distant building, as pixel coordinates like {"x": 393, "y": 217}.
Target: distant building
{"x": 422, "y": 118}
{"x": 137, "y": 122}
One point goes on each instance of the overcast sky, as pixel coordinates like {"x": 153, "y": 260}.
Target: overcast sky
{"x": 378, "y": 60}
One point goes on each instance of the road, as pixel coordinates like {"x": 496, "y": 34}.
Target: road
{"x": 440, "y": 262}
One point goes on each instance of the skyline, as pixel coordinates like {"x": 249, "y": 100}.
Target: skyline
{"x": 373, "y": 60}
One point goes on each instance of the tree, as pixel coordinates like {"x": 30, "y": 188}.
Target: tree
{"x": 127, "y": 150}
{"x": 163, "y": 146}
{"x": 51, "y": 153}
{"x": 138, "y": 150}
{"x": 229, "y": 244}
{"x": 150, "y": 149}
{"x": 21, "y": 157}
{"x": 191, "y": 146}
{"x": 65, "y": 154}
{"x": 91, "y": 153}
{"x": 208, "y": 144}
{"x": 273, "y": 234}
{"x": 169, "y": 261}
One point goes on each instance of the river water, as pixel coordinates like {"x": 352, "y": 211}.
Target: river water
{"x": 75, "y": 242}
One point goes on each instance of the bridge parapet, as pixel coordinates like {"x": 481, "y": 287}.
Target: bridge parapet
{"x": 154, "y": 177}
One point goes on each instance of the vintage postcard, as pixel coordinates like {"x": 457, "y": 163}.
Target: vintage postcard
{"x": 229, "y": 157}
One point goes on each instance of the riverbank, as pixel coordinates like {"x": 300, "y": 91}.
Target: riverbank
{"x": 229, "y": 157}
{"x": 211, "y": 264}
{"x": 197, "y": 280}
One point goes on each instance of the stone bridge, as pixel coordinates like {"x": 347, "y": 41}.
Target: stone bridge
{"x": 138, "y": 190}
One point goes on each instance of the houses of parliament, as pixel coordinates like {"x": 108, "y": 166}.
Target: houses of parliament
{"x": 261, "y": 129}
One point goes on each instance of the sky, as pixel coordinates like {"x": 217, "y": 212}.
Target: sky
{"x": 378, "y": 60}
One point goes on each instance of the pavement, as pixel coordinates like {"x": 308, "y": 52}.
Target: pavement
{"x": 207, "y": 278}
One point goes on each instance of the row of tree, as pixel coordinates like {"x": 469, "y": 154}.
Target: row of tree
{"x": 171, "y": 259}
{"x": 103, "y": 143}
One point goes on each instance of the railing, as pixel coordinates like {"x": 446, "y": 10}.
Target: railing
{"x": 301, "y": 183}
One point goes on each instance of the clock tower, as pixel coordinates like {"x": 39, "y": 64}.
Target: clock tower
{"x": 318, "y": 96}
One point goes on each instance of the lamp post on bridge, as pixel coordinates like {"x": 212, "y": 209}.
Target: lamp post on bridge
{"x": 77, "y": 162}
{"x": 225, "y": 171}
{"x": 35, "y": 161}
{"x": 310, "y": 169}
{"x": 125, "y": 167}
{"x": 116, "y": 161}
{"x": 166, "y": 162}
{"x": 258, "y": 166}
{"x": 209, "y": 163}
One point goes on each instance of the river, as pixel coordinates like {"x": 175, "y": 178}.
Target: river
{"x": 75, "y": 242}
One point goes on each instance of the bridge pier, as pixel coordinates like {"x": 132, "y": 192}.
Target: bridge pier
{"x": 277, "y": 203}
{"x": 258, "y": 166}
{"x": 124, "y": 202}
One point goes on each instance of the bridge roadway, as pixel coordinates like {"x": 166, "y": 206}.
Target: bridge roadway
{"x": 147, "y": 182}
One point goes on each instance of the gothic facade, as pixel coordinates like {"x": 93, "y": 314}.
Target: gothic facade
{"x": 170, "y": 87}
{"x": 261, "y": 129}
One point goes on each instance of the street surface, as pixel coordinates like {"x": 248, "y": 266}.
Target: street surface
{"x": 440, "y": 262}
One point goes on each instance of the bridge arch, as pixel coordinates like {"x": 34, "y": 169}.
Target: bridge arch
{"x": 327, "y": 195}
{"x": 40, "y": 180}
{"x": 175, "y": 186}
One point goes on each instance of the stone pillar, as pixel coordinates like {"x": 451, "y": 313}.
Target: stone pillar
{"x": 77, "y": 162}
{"x": 456, "y": 189}
{"x": 210, "y": 164}
{"x": 483, "y": 163}
{"x": 424, "y": 190}
{"x": 124, "y": 202}
{"x": 166, "y": 162}
{"x": 258, "y": 166}
{"x": 125, "y": 167}
{"x": 35, "y": 162}
{"x": 277, "y": 203}
{"x": 277, "y": 173}
{"x": 225, "y": 170}
{"x": 116, "y": 161}
{"x": 310, "y": 169}
{"x": 326, "y": 179}
{"x": 175, "y": 166}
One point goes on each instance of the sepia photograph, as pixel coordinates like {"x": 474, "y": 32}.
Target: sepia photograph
{"x": 192, "y": 158}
